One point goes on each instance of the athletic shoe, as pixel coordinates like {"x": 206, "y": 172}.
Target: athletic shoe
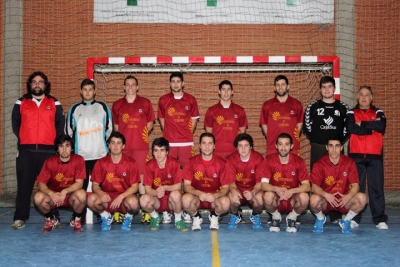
{"x": 186, "y": 217}
{"x": 291, "y": 226}
{"x": 106, "y": 223}
{"x": 345, "y": 225}
{"x": 49, "y": 225}
{"x": 275, "y": 226}
{"x": 234, "y": 220}
{"x": 118, "y": 217}
{"x": 255, "y": 219}
{"x": 155, "y": 223}
{"x": 56, "y": 214}
{"x": 126, "y": 224}
{"x": 145, "y": 217}
{"x": 353, "y": 224}
{"x": 382, "y": 226}
{"x": 72, "y": 221}
{"x": 319, "y": 225}
{"x": 18, "y": 224}
{"x": 77, "y": 225}
{"x": 166, "y": 217}
{"x": 214, "y": 222}
{"x": 197, "y": 221}
{"x": 181, "y": 226}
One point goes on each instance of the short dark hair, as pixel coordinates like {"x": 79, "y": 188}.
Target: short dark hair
{"x": 326, "y": 79}
{"x": 116, "y": 135}
{"x": 335, "y": 137}
{"x": 223, "y": 83}
{"x": 281, "y": 77}
{"x": 64, "y": 138}
{"x": 160, "y": 142}
{"x": 243, "y": 137}
{"x": 131, "y": 77}
{"x": 47, "y": 84}
{"x": 284, "y": 135}
{"x": 207, "y": 135}
{"x": 88, "y": 82}
{"x": 176, "y": 74}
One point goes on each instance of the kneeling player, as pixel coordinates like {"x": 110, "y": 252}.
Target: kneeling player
{"x": 163, "y": 181}
{"x": 60, "y": 185}
{"x": 246, "y": 164}
{"x": 335, "y": 187}
{"x": 286, "y": 184}
{"x": 115, "y": 181}
{"x": 206, "y": 184}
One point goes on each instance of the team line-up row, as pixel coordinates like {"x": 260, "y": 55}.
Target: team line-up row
{"x": 208, "y": 183}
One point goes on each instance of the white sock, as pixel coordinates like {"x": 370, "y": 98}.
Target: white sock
{"x": 127, "y": 215}
{"x": 154, "y": 214}
{"x": 105, "y": 214}
{"x": 178, "y": 216}
{"x": 350, "y": 215}
{"x": 292, "y": 215}
{"x": 276, "y": 215}
{"x": 320, "y": 215}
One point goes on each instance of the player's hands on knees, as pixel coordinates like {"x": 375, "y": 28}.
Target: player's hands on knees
{"x": 280, "y": 191}
{"x": 105, "y": 198}
{"x": 248, "y": 195}
{"x": 286, "y": 195}
{"x": 332, "y": 200}
{"x": 160, "y": 192}
{"x": 56, "y": 198}
{"x": 236, "y": 196}
{"x": 343, "y": 199}
{"x": 117, "y": 202}
{"x": 210, "y": 198}
{"x": 202, "y": 196}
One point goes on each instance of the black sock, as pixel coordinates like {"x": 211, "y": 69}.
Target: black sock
{"x": 197, "y": 214}
{"x": 77, "y": 215}
{"x": 213, "y": 213}
{"x": 254, "y": 214}
{"x": 49, "y": 215}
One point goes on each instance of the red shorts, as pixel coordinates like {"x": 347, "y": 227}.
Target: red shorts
{"x": 330, "y": 208}
{"x": 164, "y": 204}
{"x": 65, "y": 204}
{"x": 141, "y": 158}
{"x": 285, "y": 206}
{"x": 121, "y": 208}
{"x": 205, "y": 205}
{"x": 181, "y": 153}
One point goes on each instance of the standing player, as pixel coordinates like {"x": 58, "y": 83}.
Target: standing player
{"x": 246, "y": 164}
{"x": 178, "y": 114}
{"x": 163, "y": 181}
{"x": 280, "y": 114}
{"x": 225, "y": 120}
{"x": 115, "y": 181}
{"x": 366, "y": 125}
{"x": 60, "y": 185}
{"x": 206, "y": 184}
{"x": 335, "y": 186}
{"x": 37, "y": 120}
{"x": 286, "y": 184}
{"x": 89, "y": 123}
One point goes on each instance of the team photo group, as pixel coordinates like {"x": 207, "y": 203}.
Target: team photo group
{"x": 98, "y": 158}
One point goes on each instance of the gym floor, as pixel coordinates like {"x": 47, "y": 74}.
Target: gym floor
{"x": 243, "y": 246}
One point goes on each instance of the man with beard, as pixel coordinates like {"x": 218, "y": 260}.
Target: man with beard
{"x": 286, "y": 184}
{"x": 37, "y": 120}
{"x": 280, "y": 114}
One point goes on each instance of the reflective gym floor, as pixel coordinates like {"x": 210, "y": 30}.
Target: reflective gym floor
{"x": 244, "y": 246}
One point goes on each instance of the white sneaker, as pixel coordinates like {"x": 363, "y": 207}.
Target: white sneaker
{"x": 166, "y": 217}
{"x": 353, "y": 224}
{"x": 186, "y": 217}
{"x": 214, "y": 222}
{"x": 382, "y": 226}
{"x": 196, "y": 225}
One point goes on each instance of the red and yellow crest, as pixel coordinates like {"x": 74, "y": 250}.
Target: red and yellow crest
{"x": 171, "y": 111}
{"x": 145, "y": 135}
{"x": 220, "y": 119}
{"x": 198, "y": 175}
{"x": 59, "y": 177}
{"x": 110, "y": 177}
{"x": 157, "y": 181}
{"x": 329, "y": 180}
{"x": 239, "y": 176}
{"x": 277, "y": 176}
{"x": 276, "y": 115}
{"x": 125, "y": 118}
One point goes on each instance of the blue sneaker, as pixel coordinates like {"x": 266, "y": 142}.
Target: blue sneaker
{"x": 126, "y": 224}
{"x": 346, "y": 226}
{"x": 256, "y": 221}
{"x": 319, "y": 225}
{"x": 233, "y": 222}
{"x": 106, "y": 223}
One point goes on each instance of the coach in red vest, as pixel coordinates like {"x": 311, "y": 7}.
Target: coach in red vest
{"x": 366, "y": 125}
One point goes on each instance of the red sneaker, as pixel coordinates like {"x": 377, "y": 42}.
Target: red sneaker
{"x": 49, "y": 225}
{"x": 77, "y": 225}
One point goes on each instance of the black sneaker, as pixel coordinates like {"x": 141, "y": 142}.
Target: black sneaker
{"x": 291, "y": 226}
{"x": 275, "y": 226}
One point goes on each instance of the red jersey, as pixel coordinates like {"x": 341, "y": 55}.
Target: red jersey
{"x": 169, "y": 175}
{"x": 247, "y": 174}
{"x": 58, "y": 175}
{"x": 288, "y": 175}
{"x": 225, "y": 124}
{"x": 178, "y": 115}
{"x": 115, "y": 177}
{"x": 207, "y": 176}
{"x": 132, "y": 119}
{"x": 282, "y": 118}
{"x": 334, "y": 178}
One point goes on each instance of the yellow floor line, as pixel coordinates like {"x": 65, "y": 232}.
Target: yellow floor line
{"x": 215, "y": 249}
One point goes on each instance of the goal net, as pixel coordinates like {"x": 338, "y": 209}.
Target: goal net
{"x": 252, "y": 79}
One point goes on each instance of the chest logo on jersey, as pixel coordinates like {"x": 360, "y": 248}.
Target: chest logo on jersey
{"x": 140, "y": 110}
{"x": 124, "y": 174}
{"x": 169, "y": 176}
{"x": 291, "y": 112}
{"x": 186, "y": 108}
{"x": 110, "y": 177}
{"x": 275, "y": 115}
{"x": 125, "y": 118}
{"x": 48, "y": 107}
{"x": 220, "y": 119}
{"x": 239, "y": 176}
{"x": 329, "y": 180}
{"x": 328, "y": 121}
{"x": 235, "y": 116}
{"x": 277, "y": 176}
{"x": 293, "y": 173}
{"x": 252, "y": 171}
{"x": 198, "y": 175}
{"x": 59, "y": 177}
{"x": 344, "y": 173}
{"x": 215, "y": 175}
{"x": 157, "y": 181}
{"x": 337, "y": 113}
